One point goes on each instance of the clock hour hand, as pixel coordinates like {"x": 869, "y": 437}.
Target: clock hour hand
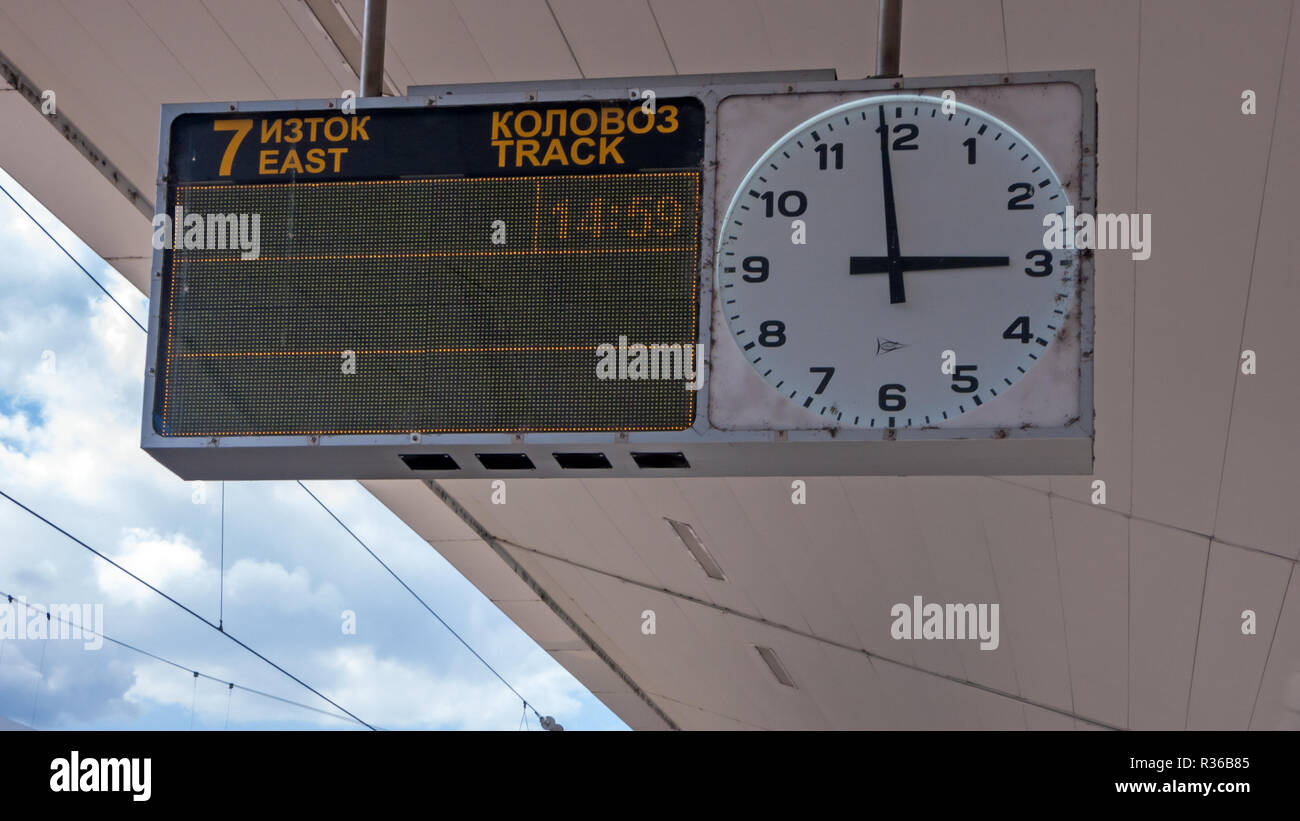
{"x": 895, "y": 271}
{"x": 886, "y": 265}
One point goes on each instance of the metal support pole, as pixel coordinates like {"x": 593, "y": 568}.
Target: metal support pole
{"x": 372, "y": 48}
{"x": 888, "y": 34}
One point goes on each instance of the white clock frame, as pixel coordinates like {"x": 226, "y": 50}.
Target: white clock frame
{"x": 840, "y": 216}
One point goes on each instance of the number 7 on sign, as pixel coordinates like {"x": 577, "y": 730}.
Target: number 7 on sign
{"x": 241, "y": 129}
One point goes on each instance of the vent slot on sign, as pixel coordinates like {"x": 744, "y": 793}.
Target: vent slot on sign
{"x": 430, "y": 461}
{"x": 660, "y": 460}
{"x": 582, "y": 461}
{"x": 505, "y": 461}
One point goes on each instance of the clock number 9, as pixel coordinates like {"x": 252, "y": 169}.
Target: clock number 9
{"x": 1042, "y": 265}
{"x": 891, "y": 397}
{"x": 773, "y": 330}
{"x": 790, "y": 203}
{"x": 755, "y": 265}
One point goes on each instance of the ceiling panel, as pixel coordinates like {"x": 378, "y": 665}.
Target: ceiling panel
{"x": 1257, "y": 500}
{"x": 948, "y": 511}
{"x": 61, "y": 56}
{"x": 728, "y": 535}
{"x": 941, "y": 37}
{"x": 803, "y": 578}
{"x": 476, "y": 560}
{"x": 715, "y": 36}
{"x": 1229, "y": 664}
{"x": 326, "y": 50}
{"x": 1101, "y": 34}
{"x": 192, "y": 36}
{"x": 834, "y": 546}
{"x": 273, "y": 44}
{"x": 429, "y": 43}
{"x": 613, "y": 38}
{"x": 31, "y": 154}
{"x": 788, "y": 708}
{"x": 1040, "y": 719}
{"x": 1191, "y": 293}
{"x": 821, "y": 34}
{"x": 1018, "y": 526}
{"x": 1277, "y": 699}
{"x": 518, "y": 38}
{"x": 410, "y": 500}
{"x": 894, "y": 540}
{"x": 1092, "y": 548}
{"x": 1166, "y": 571}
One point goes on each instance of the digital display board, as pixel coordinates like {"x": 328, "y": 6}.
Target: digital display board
{"x": 439, "y": 270}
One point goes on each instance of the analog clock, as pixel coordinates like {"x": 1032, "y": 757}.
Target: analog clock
{"x": 883, "y": 265}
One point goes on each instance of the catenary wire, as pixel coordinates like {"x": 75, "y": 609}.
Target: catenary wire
{"x": 225, "y": 633}
{"x": 169, "y": 662}
{"x": 417, "y": 598}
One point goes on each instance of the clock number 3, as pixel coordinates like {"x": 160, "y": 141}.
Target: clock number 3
{"x": 1042, "y": 263}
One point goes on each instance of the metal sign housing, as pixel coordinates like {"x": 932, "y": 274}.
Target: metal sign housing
{"x": 774, "y": 445}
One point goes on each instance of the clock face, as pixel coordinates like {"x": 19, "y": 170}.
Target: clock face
{"x": 883, "y": 265}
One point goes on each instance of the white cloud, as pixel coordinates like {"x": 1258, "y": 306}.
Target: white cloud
{"x": 251, "y": 580}
{"x": 167, "y": 562}
{"x": 390, "y": 692}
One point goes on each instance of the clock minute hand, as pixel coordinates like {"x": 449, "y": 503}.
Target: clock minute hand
{"x": 886, "y": 265}
{"x": 894, "y": 269}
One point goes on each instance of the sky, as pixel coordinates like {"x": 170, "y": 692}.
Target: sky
{"x": 71, "y": 394}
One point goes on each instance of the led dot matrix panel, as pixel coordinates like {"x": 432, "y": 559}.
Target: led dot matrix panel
{"x": 440, "y": 270}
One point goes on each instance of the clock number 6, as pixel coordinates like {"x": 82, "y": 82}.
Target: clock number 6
{"x": 891, "y": 397}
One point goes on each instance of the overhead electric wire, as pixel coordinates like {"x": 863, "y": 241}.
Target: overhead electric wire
{"x": 220, "y": 626}
{"x": 400, "y": 581}
{"x": 74, "y": 259}
{"x": 178, "y": 666}
{"x": 228, "y": 635}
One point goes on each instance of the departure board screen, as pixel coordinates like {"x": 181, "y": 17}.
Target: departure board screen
{"x": 445, "y": 270}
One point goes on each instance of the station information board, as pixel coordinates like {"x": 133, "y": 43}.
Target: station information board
{"x": 678, "y": 276}
{"x": 430, "y": 270}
